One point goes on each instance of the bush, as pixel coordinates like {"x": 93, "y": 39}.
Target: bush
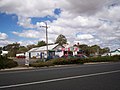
{"x": 42, "y": 64}
{"x": 103, "y": 59}
{"x": 7, "y": 63}
{"x": 63, "y": 61}
{"x": 75, "y": 60}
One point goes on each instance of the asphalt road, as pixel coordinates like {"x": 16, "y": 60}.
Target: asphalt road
{"x": 76, "y": 77}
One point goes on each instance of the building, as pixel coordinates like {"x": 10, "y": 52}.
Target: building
{"x": 115, "y": 52}
{"x": 4, "y": 53}
{"x": 53, "y": 51}
{"x": 41, "y": 52}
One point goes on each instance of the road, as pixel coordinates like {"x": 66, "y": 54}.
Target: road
{"x": 76, "y": 77}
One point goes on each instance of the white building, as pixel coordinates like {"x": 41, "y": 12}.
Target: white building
{"x": 20, "y": 54}
{"x": 115, "y": 52}
{"x": 40, "y": 52}
{"x": 53, "y": 50}
{"x": 4, "y": 53}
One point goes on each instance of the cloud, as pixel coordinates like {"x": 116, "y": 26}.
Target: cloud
{"x": 25, "y": 22}
{"x": 5, "y": 42}
{"x": 28, "y": 8}
{"x": 28, "y": 34}
{"x": 85, "y": 7}
{"x": 27, "y": 42}
{"x": 3, "y": 36}
{"x": 84, "y": 21}
{"x": 84, "y": 36}
{"x": 95, "y": 29}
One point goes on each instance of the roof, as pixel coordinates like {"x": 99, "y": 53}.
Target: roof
{"x": 4, "y": 52}
{"x": 117, "y": 50}
{"x": 43, "y": 48}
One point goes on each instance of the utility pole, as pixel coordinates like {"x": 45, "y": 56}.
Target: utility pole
{"x": 46, "y": 27}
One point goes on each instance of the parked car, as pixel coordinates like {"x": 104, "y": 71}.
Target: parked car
{"x": 20, "y": 57}
{"x": 67, "y": 56}
{"x": 81, "y": 56}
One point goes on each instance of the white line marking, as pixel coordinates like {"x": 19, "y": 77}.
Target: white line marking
{"x": 59, "y": 79}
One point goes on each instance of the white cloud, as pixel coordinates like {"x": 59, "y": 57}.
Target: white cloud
{"x": 25, "y": 22}
{"x": 28, "y": 8}
{"x": 28, "y": 34}
{"x": 84, "y": 36}
{"x": 3, "y": 36}
{"x": 27, "y": 42}
{"x": 97, "y": 20}
{"x": 5, "y": 42}
{"x": 82, "y": 6}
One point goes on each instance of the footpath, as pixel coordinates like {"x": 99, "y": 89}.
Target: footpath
{"x": 20, "y": 68}
{"x": 17, "y": 69}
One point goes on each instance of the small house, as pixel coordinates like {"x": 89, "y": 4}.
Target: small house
{"x": 115, "y": 52}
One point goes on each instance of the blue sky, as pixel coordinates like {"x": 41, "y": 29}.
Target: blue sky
{"x": 80, "y": 21}
{"x": 9, "y": 23}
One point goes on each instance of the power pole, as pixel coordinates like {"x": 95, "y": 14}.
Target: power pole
{"x": 46, "y": 27}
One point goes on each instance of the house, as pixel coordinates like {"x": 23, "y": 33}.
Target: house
{"x": 4, "y": 53}
{"x": 115, "y": 52}
{"x": 53, "y": 50}
{"x": 20, "y": 55}
{"x": 71, "y": 50}
{"x": 41, "y": 52}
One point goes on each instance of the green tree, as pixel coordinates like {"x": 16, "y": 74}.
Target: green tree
{"x": 104, "y": 50}
{"x": 22, "y": 49}
{"x": 95, "y": 49}
{"x": 0, "y": 50}
{"x": 85, "y": 48}
{"x": 31, "y": 46}
{"x": 41, "y": 43}
{"x": 61, "y": 39}
{"x": 12, "y": 48}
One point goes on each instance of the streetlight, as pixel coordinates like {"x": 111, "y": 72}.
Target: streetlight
{"x": 46, "y": 27}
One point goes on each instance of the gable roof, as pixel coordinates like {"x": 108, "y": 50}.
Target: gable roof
{"x": 117, "y": 50}
{"x": 43, "y": 48}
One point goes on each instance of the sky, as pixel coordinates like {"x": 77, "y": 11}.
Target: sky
{"x": 91, "y": 22}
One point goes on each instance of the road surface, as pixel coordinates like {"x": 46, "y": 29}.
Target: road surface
{"x": 76, "y": 77}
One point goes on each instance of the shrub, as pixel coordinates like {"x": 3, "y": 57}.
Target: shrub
{"x": 103, "y": 59}
{"x": 7, "y": 63}
{"x": 63, "y": 61}
{"x": 74, "y": 60}
{"x": 42, "y": 64}
{"x": 11, "y": 64}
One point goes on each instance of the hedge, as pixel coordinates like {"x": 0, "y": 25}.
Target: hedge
{"x": 42, "y": 64}
{"x": 115, "y": 58}
{"x": 7, "y": 63}
{"x": 75, "y": 60}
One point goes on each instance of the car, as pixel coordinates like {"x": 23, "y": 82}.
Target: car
{"x": 67, "y": 56}
{"x": 20, "y": 57}
{"x": 81, "y": 56}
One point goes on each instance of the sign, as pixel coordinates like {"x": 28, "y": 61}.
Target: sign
{"x": 27, "y": 61}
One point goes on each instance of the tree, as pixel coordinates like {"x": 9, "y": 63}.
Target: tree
{"x": 104, "y": 50}
{"x": 85, "y": 48}
{"x": 12, "y": 48}
{"x": 61, "y": 39}
{"x": 22, "y": 49}
{"x": 0, "y": 50}
{"x": 31, "y": 46}
{"x": 41, "y": 43}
